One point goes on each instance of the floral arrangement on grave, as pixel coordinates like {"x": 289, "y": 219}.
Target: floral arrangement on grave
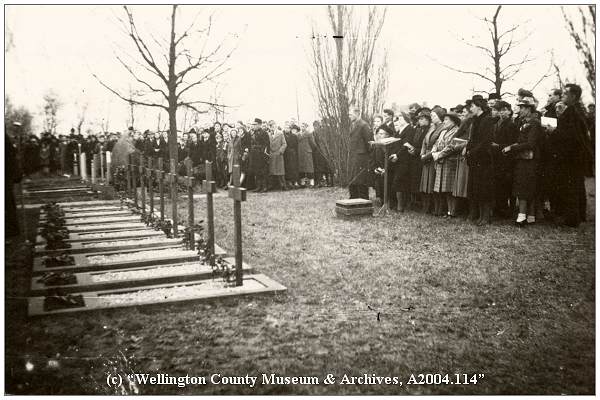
{"x": 148, "y": 219}
{"x": 58, "y": 261}
{"x": 220, "y": 267}
{"x": 57, "y": 278}
{"x": 120, "y": 179}
{"x": 59, "y": 302}
{"x": 189, "y": 234}
{"x": 53, "y": 229}
{"x": 164, "y": 225}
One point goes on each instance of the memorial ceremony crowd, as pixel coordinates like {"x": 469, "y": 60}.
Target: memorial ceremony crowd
{"x": 482, "y": 160}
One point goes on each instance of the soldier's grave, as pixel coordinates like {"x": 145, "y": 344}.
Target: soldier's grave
{"x": 117, "y": 264}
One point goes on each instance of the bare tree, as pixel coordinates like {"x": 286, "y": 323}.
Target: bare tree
{"x": 51, "y": 106}
{"x": 499, "y": 48}
{"x": 584, "y": 37}
{"x": 346, "y": 71}
{"x": 81, "y": 117}
{"x": 183, "y": 69}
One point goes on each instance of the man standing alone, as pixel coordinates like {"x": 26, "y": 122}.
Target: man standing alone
{"x": 360, "y": 136}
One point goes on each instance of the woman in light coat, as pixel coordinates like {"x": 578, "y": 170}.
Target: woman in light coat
{"x": 445, "y": 158}
{"x": 306, "y": 142}
{"x": 276, "y": 161}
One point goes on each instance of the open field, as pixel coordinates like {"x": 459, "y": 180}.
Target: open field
{"x": 515, "y": 305}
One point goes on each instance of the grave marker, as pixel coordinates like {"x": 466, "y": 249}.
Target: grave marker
{"x": 160, "y": 174}
{"x": 142, "y": 184}
{"x": 209, "y": 187}
{"x": 189, "y": 182}
{"x": 173, "y": 182}
{"x": 238, "y": 194}
{"x": 150, "y": 185}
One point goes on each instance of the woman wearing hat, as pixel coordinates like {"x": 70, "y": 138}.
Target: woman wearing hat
{"x": 378, "y": 161}
{"x": 306, "y": 142}
{"x": 290, "y": 156}
{"x": 428, "y": 168}
{"x": 527, "y": 153}
{"x": 479, "y": 158}
{"x": 445, "y": 158}
{"x": 461, "y": 180}
{"x": 413, "y": 146}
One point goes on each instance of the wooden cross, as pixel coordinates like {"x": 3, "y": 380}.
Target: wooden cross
{"x": 94, "y": 165}
{"x": 160, "y": 175}
{"x": 189, "y": 182}
{"x": 133, "y": 180}
{"x": 238, "y": 194}
{"x": 142, "y": 184}
{"x": 128, "y": 174}
{"x": 173, "y": 182}
{"x": 101, "y": 164}
{"x": 209, "y": 187}
{"x": 150, "y": 185}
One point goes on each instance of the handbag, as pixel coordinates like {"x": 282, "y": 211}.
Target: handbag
{"x": 525, "y": 155}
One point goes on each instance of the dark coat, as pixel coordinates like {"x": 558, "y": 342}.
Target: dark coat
{"x": 259, "y": 153}
{"x": 359, "y": 149}
{"x": 505, "y": 134}
{"x": 526, "y": 172}
{"x": 401, "y": 168}
{"x": 479, "y": 158}
{"x": 195, "y": 152}
{"x": 13, "y": 175}
{"x": 290, "y": 157}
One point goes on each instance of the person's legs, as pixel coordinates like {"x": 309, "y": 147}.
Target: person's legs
{"x": 451, "y": 201}
{"x": 473, "y": 210}
{"x": 522, "y": 217}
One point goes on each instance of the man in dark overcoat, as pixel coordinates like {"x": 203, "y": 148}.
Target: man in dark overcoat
{"x": 360, "y": 148}
{"x": 13, "y": 175}
{"x": 479, "y": 159}
{"x": 259, "y": 156}
{"x": 505, "y": 134}
{"x": 573, "y": 153}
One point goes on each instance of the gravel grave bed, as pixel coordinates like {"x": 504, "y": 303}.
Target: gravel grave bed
{"x": 101, "y": 219}
{"x": 110, "y": 235}
{"x": 127, "y": 242}
{"x": 175, "y": 292}
{"x": 95, "y": 213}
{"x": 154, "y": 272}
{"x": 139, "y": 255}
{"x": 90, "y": 209}
{"x": 93, "y": 227}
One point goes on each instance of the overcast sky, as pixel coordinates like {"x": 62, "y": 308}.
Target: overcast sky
{"x": 59, "y": 48}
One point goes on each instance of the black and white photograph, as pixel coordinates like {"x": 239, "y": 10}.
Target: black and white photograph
{"x": 299, "y": 199}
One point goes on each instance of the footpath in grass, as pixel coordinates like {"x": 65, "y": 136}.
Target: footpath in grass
{"x": 390, "y": 296}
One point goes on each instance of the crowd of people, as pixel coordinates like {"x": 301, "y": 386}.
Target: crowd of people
{"x": 481, "y": 158}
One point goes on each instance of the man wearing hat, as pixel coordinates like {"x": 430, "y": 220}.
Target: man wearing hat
{"x": 360, "y": 136}
{"x": 575, "y": 155}
{"x": 259, "y": 156}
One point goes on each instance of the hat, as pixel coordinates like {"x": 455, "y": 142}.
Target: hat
{"x": 524, "y": 93}
{"x": 414, "y": 105}
{"x": 453, "y": 117}
{"x": 477, "y": 96}
{"x": 423, "y": 110}
{"x": 424, "y": 115}
{"x": 494, "y": 96}
{"x": 386, "y": 129}
{"x": 439, "y": 111}
{"x": 527, "y": 101}
{"x": 294, "y": 126}
{"x": 257, "y": 121}
{"x": 468, "y": 102}
{"x": 193, "y": 130}
{"x": 388, "y": 111}
{"x": 458, "y": 109}
{"x": 501, "y": 104}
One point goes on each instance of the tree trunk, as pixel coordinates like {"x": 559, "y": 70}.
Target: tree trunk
{"x": 172, "y": 93}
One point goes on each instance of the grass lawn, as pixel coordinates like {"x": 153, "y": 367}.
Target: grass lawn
{"x": 515, "y": 305}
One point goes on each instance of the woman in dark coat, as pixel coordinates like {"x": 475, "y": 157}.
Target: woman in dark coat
{"x": 400, "y": 167}
{"x": 306, "y": 143}
{"x": 505, "y": 134}
{"x": 414, "y": 152}
{"x": 290, "y": 156}
{"x": 527, "y": 153}
{"x": 479, "y": 158}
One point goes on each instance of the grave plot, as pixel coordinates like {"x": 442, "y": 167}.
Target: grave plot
{"x": 65, "y": 282}
{"x": 111, "y": 244}
{"x": 71, "y": 237}
{"x": 98, "y": 261}
{"x": 104, "y": 219}
{"x": 124, "y": 278}
{"x": 90, "y": 214}
{"x": 149, "y": 295}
